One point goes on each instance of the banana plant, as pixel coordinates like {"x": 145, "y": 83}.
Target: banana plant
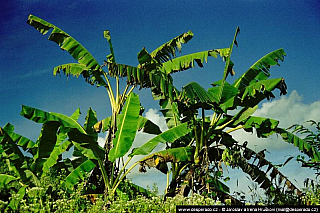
{"x": 210, "y": 137}
{"x": 189, "y": 154}
{"x": 90, "y": 69}
{"x": 27, "y": 170}
{"x": 152, "y": 72}
{"x": 61, "y": 133}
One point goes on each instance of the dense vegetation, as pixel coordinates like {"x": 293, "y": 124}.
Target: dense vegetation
{"x": 35, "y": 177}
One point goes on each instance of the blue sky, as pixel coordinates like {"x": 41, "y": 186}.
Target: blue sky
{"x": 27, "y": 57}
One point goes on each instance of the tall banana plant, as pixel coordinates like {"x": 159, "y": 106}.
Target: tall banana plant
{"x": 192, "y": 153}
{"x": 153, "y": 72}
{"x": 210, "y": 139}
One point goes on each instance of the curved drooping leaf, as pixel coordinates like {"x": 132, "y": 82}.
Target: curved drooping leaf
{"x": 135, "y": 75}
{"x": 188, "y": 61}
{"x": 61, "y": 145}
{"x": 259, "y": 70}
{"x": 126, "y": 128}
{"x": 259, "y": 169}
{"x": 258, "y": 175}
{"x": 168, "y": 50}
{"x": 87, "y": 144}
{"x": 303, "y": 145}
{"x": 264, "y": 126}
{"x": 70, "y": 69}
{"x": 250, "y": 95}
{"x": 78, "y": 174}
{"x": 6, "y": 179}
{"x": 159, "y": 159}
{"x": 20, "y": 140}
{"x": 146, "y": 76}
{"x": 264, "y": 87}
{"x": 312, "y": 137}
{"x": 40, "y": 116}
{"x": 168, "y": 136}
{"x": 92, "y": 69}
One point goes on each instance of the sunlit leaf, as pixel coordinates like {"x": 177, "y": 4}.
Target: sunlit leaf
{"x": 259, "y": 70}
{"x": 168, "y": 136}
{"x": 91, "y": 68}
{"x": 126, "y": 128}
{"x": 78, "y": 174}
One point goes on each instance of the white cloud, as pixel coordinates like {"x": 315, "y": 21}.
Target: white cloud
{"x": 288, "y": 110}
{"x": 154, "y": 116}
{"x": 102, "y": 140}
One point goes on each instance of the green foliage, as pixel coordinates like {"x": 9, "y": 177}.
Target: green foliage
{"x": 126, "y": 128}
{"x": 197, "y": 144}
{"x": 310, "y": 145}
{"x": 88, "y": 65}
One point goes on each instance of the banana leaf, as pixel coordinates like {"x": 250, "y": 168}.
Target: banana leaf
{"x": 25, "y": 143}
{"x": 40, "y": 116}
{"x": 126, "y": 128}
{"x": 55, "y": 154}
{"x": 106, "y": 35}
{"x": 194, "y": 95}
{"x": 228, "y": 92}
{"x": 159, "y": 159}
{"x": 144, "y": 124}
{"x": 259, "y": 70}
{"x": 264, "y": 87}
{"x": 91, "y": 120}
{"x": 264, "y": 126}
{"x": 77, "y": 174}
{"x": 168, "y": 50}
{"x": 302, "y": 145}
{"x": 46, "y": 143}
{"x": 188, "y": 61}
{"x": 171, "y": 113}
{"x": 11, "y": 152}
{"x": 229, "y": 64}
{"x": 170, "y": 135}
{"x": 91, "y": 68}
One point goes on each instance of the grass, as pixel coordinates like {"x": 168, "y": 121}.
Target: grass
{"x": 49, "y": 196}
